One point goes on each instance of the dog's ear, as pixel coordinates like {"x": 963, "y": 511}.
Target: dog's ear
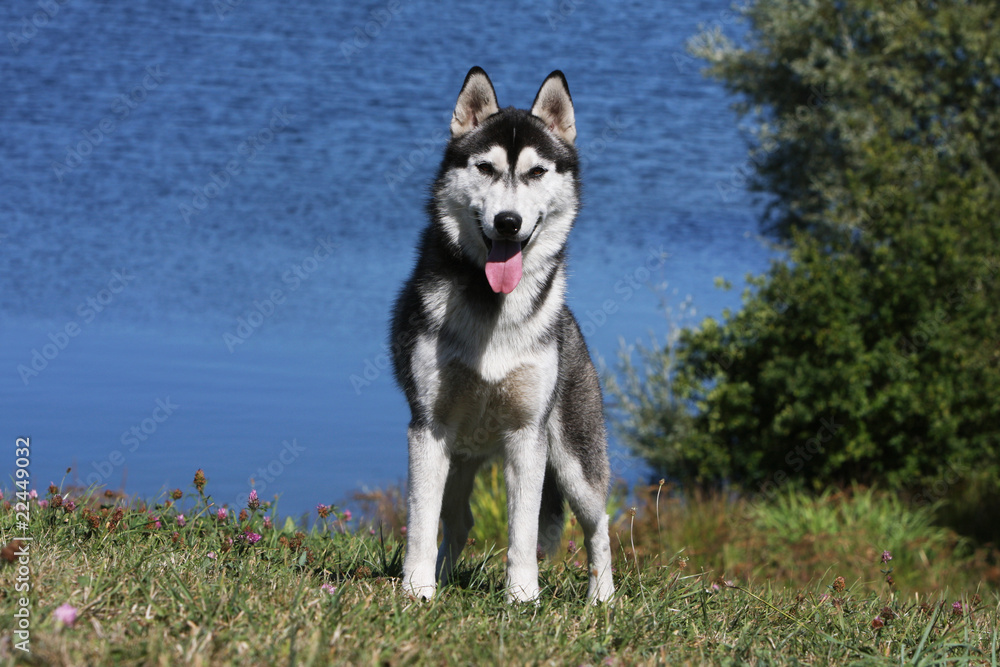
{"x": 555, "y": 107}
{"x": 476, "y": 103}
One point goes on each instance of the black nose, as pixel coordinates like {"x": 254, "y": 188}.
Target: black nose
{"x": 507, "y": 223}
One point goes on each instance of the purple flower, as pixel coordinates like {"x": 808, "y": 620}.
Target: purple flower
{"x": 267, "y": 522}
{"x": 956, "y": 608}
{"x": 886, "y": 556}
{"x": 222, "y": 514}
{"x": 65, "y": 614}
{"x": 211, "y": 554}
{"x": 328, "y": 588}
{"x": 571, "y": 547}
{"x": 250, "y": 537}
{"x": 181, "y": 520}
{"x": 43, "y": 503}
{"x": 323, "y": 510}
{"x": 347, "y": 515}
{"x": 252, "y": 502}
{"x": 33, "y": 494}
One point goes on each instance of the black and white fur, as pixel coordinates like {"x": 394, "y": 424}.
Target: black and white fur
{"x": 487, "y": 372}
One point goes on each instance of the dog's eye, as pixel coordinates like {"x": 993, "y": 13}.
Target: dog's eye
{"x": 537, "y": 172}
{"x": 486, "y": 168}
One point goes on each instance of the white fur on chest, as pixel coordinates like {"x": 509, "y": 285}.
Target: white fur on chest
{"x": 480, "y": 380}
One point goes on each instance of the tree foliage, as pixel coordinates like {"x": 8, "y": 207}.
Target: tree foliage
{"x": 871, "y": 351}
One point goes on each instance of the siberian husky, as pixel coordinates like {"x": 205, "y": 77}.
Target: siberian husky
{"x": 490, "y": 358}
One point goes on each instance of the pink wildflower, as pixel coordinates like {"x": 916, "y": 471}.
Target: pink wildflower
{"x": 65, "y": 614}
{"x": 222, "y": 514}
{"x": 250, "y": 537}
{"x": 267, "y": 522}
{"x": 253, "y": 502}
{"x": 328, "y": 588}
{"x": 347, "y": 515}
{"x": 211, "y": 554}
{"x": 886, "y": 556}
{"x": 181, "y": 520}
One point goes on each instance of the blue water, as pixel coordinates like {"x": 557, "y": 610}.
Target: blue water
{"x": 206, "y": 210}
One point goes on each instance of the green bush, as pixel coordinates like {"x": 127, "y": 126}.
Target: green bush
{"x": 871, "y": 350}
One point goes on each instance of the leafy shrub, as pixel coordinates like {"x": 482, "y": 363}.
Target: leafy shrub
{"x": 870, "y": 351}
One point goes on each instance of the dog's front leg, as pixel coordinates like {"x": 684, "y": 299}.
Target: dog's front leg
{"x": 428, "y": 471}
{"x": 524, "y": 470}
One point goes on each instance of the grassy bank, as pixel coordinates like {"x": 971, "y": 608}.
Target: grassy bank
{"x": 714, "y": 580}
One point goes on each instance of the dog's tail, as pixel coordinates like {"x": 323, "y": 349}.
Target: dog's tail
{"x": 552, "y": 516}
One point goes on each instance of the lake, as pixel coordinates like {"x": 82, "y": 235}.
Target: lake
{"x": 208, "y": 207}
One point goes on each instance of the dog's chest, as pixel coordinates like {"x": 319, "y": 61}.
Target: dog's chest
{"x": 467, "y": 402}
{"x": 477, "y": 399}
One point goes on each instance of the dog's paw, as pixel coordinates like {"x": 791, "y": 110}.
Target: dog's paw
{"x": 601, "y": 588}
{"x": 419, "y": 591}
{"x": 518, "y": 593}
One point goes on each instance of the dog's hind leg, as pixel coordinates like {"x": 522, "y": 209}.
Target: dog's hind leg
{"x": 455, "y": 514}
{"x": 587, "y": 495}
{"x": 552, "y": 516}
{"x": 588, "y": 504}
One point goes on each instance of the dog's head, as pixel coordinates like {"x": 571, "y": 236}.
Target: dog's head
{"x": 509, "y": 188}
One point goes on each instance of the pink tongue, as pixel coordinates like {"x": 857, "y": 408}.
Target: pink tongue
{"x": 503, "y": 266}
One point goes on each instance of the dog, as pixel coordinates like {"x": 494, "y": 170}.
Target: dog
{"x": 488, "y": 354}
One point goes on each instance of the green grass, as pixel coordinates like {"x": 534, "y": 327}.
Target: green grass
{"x": 171, "y": 594}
